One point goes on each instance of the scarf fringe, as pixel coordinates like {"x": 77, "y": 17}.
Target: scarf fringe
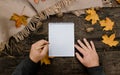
{"x": 55, "y": 9}
{"x": 78, "y": 12}
{"x": 32, "y": 25}
{"x": 36, "y": 21}
{"x": 2, "y": 46}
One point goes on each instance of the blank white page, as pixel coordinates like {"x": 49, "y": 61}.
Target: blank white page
{"x": 61, "y": 39}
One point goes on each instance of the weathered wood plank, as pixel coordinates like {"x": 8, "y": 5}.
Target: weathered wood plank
{"x": 110, "y": 60}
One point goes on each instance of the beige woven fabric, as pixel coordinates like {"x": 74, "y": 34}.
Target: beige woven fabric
{"x": 49, "y": 7}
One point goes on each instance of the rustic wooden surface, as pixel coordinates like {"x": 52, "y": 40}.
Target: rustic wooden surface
{"x": 109, "y": 57}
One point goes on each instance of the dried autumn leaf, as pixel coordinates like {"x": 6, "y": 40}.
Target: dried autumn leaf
{"x": 36, "y": 1}
{"x": 90, "y": 29}
{"x": 92, "y": 15}
{"x": 108, "y": 24}
{"x": 109, "y": 40}
{"x": 20, "y": 20}
{"x": 118, "y": 1}
{"x": 45, "y": 60}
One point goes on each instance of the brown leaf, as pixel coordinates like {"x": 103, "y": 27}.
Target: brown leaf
{"x": 90, "y": 29}
{"x": 19, "y": 19}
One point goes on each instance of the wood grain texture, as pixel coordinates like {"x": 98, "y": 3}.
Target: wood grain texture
{"x": 109, "y": 57}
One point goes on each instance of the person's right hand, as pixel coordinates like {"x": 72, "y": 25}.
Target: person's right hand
{"x": 90, "y": 57}
{"x": 38, "y": 50}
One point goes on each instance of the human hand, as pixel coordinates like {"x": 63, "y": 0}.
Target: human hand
{"x": 38, "y": 50}
{"x": 90, "y": 57}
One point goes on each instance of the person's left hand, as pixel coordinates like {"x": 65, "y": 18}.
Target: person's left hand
{"x": 38, "y": 50}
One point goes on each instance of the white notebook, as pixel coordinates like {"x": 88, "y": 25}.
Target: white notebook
{"x": 61, "y": 39}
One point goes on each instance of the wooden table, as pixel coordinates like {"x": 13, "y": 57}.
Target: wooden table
{"x": 109, "y": 56}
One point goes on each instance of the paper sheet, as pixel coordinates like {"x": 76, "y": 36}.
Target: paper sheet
{"x": 61, "y": 39}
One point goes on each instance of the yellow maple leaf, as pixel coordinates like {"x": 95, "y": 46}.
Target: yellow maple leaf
{"x": 109, "y": 40}
{"x": 20, "y": 20}
{"x": 92, "y": 15}
{"x": 108, "y": 24}
{"x": 118, "y": 1}
{"x": 45, "y": 60}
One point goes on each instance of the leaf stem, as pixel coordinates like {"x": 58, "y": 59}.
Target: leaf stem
{"x": 23, "y": 10}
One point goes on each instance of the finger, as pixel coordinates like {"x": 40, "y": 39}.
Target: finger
{"x": 82, "y": 45}
{"x": 40, "y": 47}
{"x": 80, "y": 49}
{"x": 87, "y": 44}
{"x": 41, "y": 42}
{"x": 93, "y": 46}
{"x": 45, "y": 50}
{"x": 79, "y": 57}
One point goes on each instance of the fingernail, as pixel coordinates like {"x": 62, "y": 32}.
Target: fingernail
{"x": 84, "y": 38}
{"x": 76, "y": 53}
{"x": 78, "y": 40}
